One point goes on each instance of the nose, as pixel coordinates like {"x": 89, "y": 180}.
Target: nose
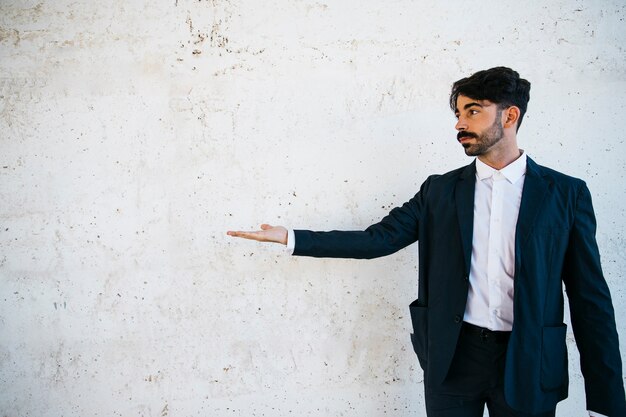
{"x": 460, "y": 125}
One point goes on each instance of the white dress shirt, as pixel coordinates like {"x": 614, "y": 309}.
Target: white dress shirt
{"x": 497, "y": 199}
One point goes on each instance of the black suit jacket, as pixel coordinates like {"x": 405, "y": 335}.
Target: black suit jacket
{"x": 554, "y": 245}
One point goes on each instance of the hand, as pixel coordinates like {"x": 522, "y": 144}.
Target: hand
{"x": 277, "y": 234}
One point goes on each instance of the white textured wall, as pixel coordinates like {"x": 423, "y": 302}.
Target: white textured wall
{"x": 134, "y": 133}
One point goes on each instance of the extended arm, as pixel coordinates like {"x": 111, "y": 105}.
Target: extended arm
{"x": 398, "y": 229}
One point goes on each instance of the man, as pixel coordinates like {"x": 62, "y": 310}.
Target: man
{"x": 498, "y": 239}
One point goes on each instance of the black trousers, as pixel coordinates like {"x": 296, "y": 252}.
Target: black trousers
{"x": 475, "y": 379}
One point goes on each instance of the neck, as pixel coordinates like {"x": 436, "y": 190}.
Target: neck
{"x": 501, "y": 156}
{"x": 499, "y": 161}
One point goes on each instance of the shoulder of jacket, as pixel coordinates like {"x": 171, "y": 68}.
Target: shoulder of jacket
{"x": 557, "y": 177}
{"x": 450, "y": 175}
{"x": 441, "y": 182}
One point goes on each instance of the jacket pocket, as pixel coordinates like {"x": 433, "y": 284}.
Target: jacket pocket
{"x": 553, "y": 358}
{"x": 419, "y": 337}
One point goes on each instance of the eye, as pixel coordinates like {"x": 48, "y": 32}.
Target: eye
{"x": 473, "y": 112}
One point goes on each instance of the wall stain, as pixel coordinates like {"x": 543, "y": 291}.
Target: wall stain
{"x": 215, "y": 34}
{"x": 59, "y": 305}
{"x": 154, "y": 378}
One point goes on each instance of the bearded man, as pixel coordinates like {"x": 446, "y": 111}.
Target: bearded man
{"x": 498, "y": 239}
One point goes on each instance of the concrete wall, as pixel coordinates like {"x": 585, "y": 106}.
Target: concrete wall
{"x": 133, "y": 134}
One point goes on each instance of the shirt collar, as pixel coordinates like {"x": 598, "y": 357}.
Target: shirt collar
{"x": 512, "y": 172}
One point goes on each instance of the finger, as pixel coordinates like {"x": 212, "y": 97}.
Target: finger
{"x": 265, "y": 226}
{"x": 246, "y": 235}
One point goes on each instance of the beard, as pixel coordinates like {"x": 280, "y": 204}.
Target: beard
{"x": 484, "y": 141}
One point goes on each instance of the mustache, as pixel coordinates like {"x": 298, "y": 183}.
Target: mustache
{"x": 466, "y": 134}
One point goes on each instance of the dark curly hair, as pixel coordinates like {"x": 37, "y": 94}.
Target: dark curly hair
{"x": 500, "y": 85}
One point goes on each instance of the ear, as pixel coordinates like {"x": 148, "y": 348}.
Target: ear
{"x": 510, "y": 116}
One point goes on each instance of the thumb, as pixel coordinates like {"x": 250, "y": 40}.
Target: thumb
{"x": 265, "y": 226}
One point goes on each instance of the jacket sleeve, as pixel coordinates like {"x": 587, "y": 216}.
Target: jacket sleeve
{"x": 593, "y": 318}
{"x": 395, "y": 231}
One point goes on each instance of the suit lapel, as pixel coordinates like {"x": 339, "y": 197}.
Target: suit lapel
{"x": 533, "y": 194}
{"x": 464, "y": 195}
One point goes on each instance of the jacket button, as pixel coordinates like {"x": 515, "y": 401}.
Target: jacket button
{"x": 466, "y": 278}
{"x": 457, "y": 319}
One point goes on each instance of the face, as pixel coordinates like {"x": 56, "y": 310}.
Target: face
{"x": 479, "y": 125}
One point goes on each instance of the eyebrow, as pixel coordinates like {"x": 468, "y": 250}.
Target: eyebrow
{"x": 468, "y": 105}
